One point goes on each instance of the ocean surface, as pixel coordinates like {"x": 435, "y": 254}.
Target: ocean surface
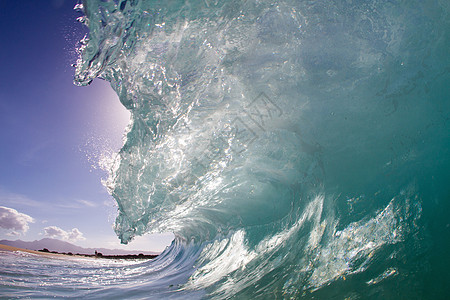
{"x": 296, "y": 149}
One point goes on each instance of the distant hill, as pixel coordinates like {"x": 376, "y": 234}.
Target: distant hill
{"x": 61, "y": 246}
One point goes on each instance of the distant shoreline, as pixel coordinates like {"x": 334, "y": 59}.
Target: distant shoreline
{"x": 12, "y": 249}
{"x": 45, "y": 252}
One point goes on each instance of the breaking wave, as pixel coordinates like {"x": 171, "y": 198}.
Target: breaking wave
{"x": 284, "y": 143}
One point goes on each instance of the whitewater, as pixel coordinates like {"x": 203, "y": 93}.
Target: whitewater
{"x": 296, "y": 149}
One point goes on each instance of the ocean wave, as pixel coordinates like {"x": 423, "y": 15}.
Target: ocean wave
{"x": 269, "y": 136}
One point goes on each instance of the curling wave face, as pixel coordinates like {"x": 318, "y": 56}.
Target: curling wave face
{"x": 282, "y": 138}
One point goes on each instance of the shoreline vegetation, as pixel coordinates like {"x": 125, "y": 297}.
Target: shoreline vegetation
{"x": 46, "y": 252}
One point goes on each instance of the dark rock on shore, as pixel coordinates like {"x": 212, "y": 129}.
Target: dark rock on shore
{"x": 100, "y": 255}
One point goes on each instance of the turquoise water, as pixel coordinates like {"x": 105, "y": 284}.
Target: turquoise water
{"x": 297, "y": 149}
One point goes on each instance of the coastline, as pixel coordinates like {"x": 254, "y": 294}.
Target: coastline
{"x": 78, "y": 255}
{"x": 13, "y": 249}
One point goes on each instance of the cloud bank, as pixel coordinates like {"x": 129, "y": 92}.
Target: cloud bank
{"x": 12, "y": 220}
{"x": 58, "y": 233}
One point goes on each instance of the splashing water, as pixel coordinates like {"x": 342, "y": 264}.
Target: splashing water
{"x": 290, "y": 145}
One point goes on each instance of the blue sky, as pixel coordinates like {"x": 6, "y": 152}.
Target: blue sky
{"x": 53, "y": 132}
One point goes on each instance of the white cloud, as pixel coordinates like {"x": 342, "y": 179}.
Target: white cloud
{"x": 76, "y": 235}
{"x": 76, "y": 204}
{"x": 14, "y": 221}
{"x": 58, "y": 233}
{"x": 86, "y": 203}
{"x": 13, "y": 233}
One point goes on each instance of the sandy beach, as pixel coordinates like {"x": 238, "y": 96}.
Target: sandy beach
{"x": 12, "y": 249}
